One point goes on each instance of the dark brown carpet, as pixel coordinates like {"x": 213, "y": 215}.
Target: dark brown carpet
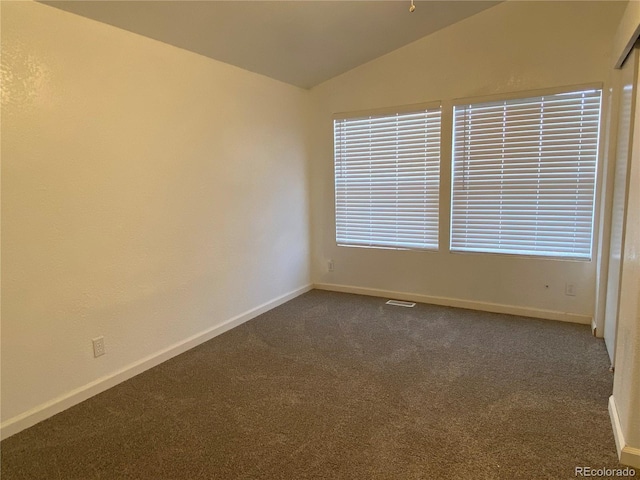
{"x": 343, "y": 386}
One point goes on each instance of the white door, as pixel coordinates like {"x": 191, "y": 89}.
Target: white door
{"x": 623, "y": 152}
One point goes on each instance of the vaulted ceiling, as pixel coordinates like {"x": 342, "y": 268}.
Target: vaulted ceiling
{"x": 302, "y": 43}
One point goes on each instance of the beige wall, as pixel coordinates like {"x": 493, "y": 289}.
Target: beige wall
{"x": 148, "y": 195}
{"x": 515, "y": 46}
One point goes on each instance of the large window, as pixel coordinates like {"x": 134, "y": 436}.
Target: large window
{"x": 524, "y": 175}
{"x": 387, "y": 170}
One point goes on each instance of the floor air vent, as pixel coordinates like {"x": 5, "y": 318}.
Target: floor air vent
{"x": 400, "y": 303}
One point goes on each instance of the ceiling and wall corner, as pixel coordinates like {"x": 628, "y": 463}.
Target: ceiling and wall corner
{"x": 515, "y": 46}
{"x": 183, "y": 147}
{"x": 126, "y": 164}
{"x": 302, "y": 43}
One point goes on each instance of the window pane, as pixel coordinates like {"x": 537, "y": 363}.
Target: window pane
{"x": 524, "y": 174}
{"x": 387, "y": 172}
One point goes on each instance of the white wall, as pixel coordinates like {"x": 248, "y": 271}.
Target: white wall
{"x": 515, "y": 46}
{"x": 149, "y": 194}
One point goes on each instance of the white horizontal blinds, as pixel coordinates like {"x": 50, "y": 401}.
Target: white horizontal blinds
{"x": 524, "y": 175}
{"x": 387, "y": 180}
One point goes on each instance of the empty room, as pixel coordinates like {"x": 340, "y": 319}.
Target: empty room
{"x": 320, "y": 239}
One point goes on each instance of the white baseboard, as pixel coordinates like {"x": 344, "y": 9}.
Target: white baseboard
{"x": 456, "y": 302}
{"x": 69, "y": 399}
{"x": 629, "y": 456}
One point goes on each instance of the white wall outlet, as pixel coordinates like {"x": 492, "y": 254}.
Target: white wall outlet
{"x": 330, "y": 265}
{"x": 98, "y": 346}
{"x": 570, "y": 289}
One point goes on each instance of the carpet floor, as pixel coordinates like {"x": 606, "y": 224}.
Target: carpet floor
{"x": 333, "y": 385}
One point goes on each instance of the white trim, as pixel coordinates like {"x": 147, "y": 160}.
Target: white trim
{"x": 460, "y": 303}
{"x": 69, "y": 399}
{"x": 628, "y": 455}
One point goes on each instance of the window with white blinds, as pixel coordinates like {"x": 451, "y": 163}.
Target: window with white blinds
{"x": 387, "y": 170}
{"x": 524, "y": 174}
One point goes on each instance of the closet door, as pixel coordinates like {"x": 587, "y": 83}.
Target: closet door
{"x": 626, "y": 113}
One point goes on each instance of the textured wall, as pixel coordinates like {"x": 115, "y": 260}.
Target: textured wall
{"x": 148, "y": 194}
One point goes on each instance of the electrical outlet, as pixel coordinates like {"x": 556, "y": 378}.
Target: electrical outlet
{"x": 330, "y": 265}
{"x": 98, "y": 347}
{"x": 570, "y": 289}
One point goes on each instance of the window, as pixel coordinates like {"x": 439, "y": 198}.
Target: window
{"x": 387, "y": 170}
{"x": 524, "y": 175}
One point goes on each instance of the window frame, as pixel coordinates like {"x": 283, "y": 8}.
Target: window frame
{"x": 389, "y": 111}
{"x": 524, "y": 94}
